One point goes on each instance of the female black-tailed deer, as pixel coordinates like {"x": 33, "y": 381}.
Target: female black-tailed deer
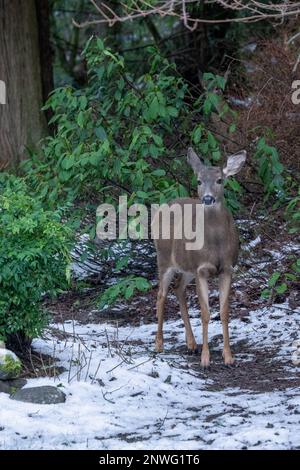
{"x": 216, "y": 257}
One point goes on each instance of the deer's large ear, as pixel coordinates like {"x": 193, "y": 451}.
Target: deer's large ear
{"x": 194, "y": 160}
{"x": 234, "y": 163}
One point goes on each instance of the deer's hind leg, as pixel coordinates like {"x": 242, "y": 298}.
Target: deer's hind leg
{"x": 224, "y": 290}
{"x": 183, "y": 280}
{"x": 164, "y": 283}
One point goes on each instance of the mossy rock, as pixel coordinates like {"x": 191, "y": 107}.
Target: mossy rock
{"x": 12, "y": 386}
{"x": 10, "y": 365}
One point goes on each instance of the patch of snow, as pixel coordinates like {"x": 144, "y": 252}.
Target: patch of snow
{"x": 87, "y": 262}
{"x": 251, "y": 47}
{"x": 121, "y": 395}
{"x": 242, "y": 103}
{"x": 253, "y": 243}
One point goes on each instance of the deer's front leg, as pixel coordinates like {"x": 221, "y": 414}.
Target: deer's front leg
{"x": 202, "y": 290}
{"x": 224, "y": 290}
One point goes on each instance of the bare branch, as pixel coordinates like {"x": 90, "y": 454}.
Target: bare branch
{"x": 253, "y": 11}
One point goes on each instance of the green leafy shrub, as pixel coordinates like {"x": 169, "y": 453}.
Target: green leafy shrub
{"x": 34, "y": 258}
{"x": 124, "y": 289}
{"x": 280, "y": 282}
{"x": 124, "y": 133}
{"x": 270, "y": 170}
{"x": 287, "y": 278}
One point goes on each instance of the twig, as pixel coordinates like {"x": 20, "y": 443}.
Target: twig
{"x": 108, "y": 343}
{"x": 118, "y": 365}
{"x": 88, "y": 367}
{"x": 96, "y": 372}
{"x": 138, "y": 365}
{"x": 163, "y": 420}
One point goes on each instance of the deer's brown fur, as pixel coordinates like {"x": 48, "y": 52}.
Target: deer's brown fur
{"x": 217, "y": 256}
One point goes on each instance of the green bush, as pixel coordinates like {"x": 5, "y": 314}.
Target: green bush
{"x": 270, "y": 170}
{"x": 125, "y": 133}
{"x": 34, "y": 258}
{"x": 124, "y": 289}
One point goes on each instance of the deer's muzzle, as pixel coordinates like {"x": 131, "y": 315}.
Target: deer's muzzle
{"x": 208, "y": 200}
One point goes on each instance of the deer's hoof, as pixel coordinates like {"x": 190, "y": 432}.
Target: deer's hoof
{"x": 192, "y": 347}
{"x": 192, "y": 352}
{"x": 229, "y": 361}
{"x": 159, "y": 346}
{"x": 205, "y": 360}
{"x": 228, "y": 358}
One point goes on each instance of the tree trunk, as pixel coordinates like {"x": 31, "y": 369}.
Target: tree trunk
{"x": 46, "y": 52}
{"x": 22, "y": 124}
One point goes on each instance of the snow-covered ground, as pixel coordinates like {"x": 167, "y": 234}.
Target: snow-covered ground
{"x": 121, "y": 395}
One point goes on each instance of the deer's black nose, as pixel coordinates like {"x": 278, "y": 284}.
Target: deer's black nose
{"x": 208, "y": 200}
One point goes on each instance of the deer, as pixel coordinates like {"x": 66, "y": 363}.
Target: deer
{"x": 216, "y": 257}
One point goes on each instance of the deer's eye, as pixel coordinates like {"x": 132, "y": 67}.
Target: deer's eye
{"x": 219, "y": 181}
{"x": 199, "y": 182}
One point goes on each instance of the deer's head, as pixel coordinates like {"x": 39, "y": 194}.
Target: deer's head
{"x": 210, "y": 179}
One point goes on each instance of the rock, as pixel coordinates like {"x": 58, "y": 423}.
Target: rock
{"x": 10, "y": 365}
{"x": 45, "y": 395}
{"x": 11, "y": 386}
